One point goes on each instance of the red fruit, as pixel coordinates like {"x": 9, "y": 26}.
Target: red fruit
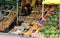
{"x": 46, "y": 16}
{"x": 33, "y": 31}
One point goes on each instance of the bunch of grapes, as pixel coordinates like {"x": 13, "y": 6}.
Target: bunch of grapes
{"x": 52, "y": 24}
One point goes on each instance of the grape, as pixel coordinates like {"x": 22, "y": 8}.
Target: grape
{"x": 47, "y": 32}
{"x": 42, "y": 29}
{"x": 51, "y": 23}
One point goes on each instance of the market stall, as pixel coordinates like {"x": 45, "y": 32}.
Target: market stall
{"x": 34, "y": 18}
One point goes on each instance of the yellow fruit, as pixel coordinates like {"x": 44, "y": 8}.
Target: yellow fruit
{"x": 33, "y": 3}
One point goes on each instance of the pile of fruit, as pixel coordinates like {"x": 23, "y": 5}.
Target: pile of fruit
{"x": 52, "y": 24}
{"x": 8, "y": 16}
{"x": 31, "y": 25}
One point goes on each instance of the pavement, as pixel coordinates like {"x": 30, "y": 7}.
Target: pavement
{"x": 5, "y": 35}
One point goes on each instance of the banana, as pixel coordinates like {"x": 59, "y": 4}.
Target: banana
{"x": 33, "y": 3}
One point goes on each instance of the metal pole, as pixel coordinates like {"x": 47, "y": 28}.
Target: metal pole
{"x": 17, "y": 12}
{"x": 59, "y": 18}
{"x": 42, "y": 10}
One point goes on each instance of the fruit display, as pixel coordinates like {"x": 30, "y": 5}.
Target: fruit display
{"x": 26, "y": 18}
{"x": 7, "y": 21}
{"x": 52, "y": 24}
{"x": 31, "y": 25}
{"x": 34, "y": 22}
{"x": 7, "y": 17}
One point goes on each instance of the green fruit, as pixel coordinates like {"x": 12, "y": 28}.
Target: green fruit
{"x": 47, "y": 32}
{"x": 42, "y": 29}
{"x": 53, "y": 32}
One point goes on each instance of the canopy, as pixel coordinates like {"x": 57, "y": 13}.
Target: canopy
{"x": 51, "y": 2}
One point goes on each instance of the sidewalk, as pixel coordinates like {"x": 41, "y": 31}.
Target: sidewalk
{"x": 5, "y": 35}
